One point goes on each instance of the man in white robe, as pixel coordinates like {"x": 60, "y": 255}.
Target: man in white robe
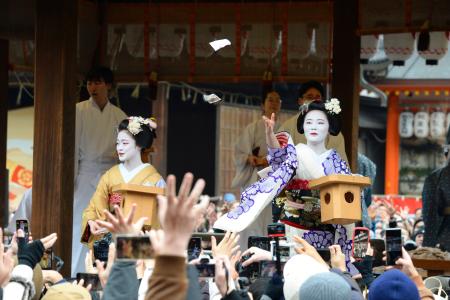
{"x": 250, "y": 157}
{"x": 95, "y": 139}
{"x": 312, "y": 90}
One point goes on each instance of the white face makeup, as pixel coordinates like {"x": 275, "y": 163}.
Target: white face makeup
{"x": 316, "y": 126}
{"x": 126, "y": 146}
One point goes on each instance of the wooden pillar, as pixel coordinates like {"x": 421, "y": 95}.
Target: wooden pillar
{"x": 4, "y": 57}
{"x": 345, "y": 81}
{"x": 54, "y": 132}
{"x": 391, "y": 176}
{"x": 99, "y": 58}
{"x": 160, "y": 112}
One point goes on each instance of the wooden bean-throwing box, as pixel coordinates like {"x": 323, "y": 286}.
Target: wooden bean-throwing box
{"x": 340, "y": 197}
{"x": 145, "y": 199}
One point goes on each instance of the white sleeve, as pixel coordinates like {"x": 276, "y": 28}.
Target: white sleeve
{"x": 16, "y": 289}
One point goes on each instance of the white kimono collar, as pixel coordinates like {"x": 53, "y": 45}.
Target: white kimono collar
{"x": 129, "y": 175}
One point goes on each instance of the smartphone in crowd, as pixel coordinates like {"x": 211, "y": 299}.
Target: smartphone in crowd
{"x": 393, "y": 241}
{"x": 194, "y": 248}
{"x": 324, "y": 253}
{"x": 132, "y": 247}
{"x": 276, "y": 230}
{"x": 206, "y": 270}
{"x": 268, "y": 268}
{"x": 206, "y": 238}
{"x": 361, "y": 239}
{"x": 378, "y": 247}
{"x": 91, "y": 279}
{"x": 46, "y": 262}
{"x": 23, "y": 224}
{"x": 262, "y": 242}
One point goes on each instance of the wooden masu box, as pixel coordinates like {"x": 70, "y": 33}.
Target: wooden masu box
{"x": 340, "y": 197}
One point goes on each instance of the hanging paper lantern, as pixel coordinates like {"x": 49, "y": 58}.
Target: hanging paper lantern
{"x": 421, "y": 124}
{"x": 437, "y": 49}
{"x": 399, "y": 47}
{"x": 437, "y": 124}
{"x": 368, "y": 47}
{"x": 405, "y": 124}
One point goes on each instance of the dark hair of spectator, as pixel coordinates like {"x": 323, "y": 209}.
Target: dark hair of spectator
{"x": 100, "y": 74}
{"x": 311, "y": 84}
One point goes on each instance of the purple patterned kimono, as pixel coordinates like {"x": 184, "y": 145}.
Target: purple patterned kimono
{"x": 286, "y": 162}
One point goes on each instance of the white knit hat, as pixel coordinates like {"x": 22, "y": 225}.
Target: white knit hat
{"x": 296, "y": 271}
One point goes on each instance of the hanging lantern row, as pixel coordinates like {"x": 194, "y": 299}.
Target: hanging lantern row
{"x": 420, "y": 92}
{"x": 422, "y": 124}
{"x": 400, "y": 46}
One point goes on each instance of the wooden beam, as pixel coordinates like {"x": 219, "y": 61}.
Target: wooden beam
{"x": 218, "y": 12}
{"x": 217, "y": 78}
{"x": 345, "y": 81}
{"x": 54, "y": 132}
{"x": 4, "y": 198}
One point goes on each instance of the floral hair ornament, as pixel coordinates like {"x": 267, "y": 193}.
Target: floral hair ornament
{"x": 135, "y": 123}
{"x": 333, "y": 106}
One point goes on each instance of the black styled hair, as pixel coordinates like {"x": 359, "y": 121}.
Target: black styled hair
{"x": 101, "y": 74}
{"x": 333, "y": 119}
{"x": 144, "y": 139}
{"x": 311, "y": 84}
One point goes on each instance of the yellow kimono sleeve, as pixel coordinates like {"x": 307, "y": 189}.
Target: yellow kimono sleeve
{"x": 94, "y": 211}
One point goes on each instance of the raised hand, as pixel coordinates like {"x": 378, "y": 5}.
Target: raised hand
{"x": 307, "y": 249}
{"x": 121, "y": 225}
{"x": 257, "y": 254}
{"x": 223, "y": 275}
{"x": 6, "y": 262}
{"x": 178, "y": 215}
{"x": 103, "y": 272}
{"x": 337, "y": 258}
{"x": 81, "y": 284}
{"x": 269, "y": 123}
{"x": 227, "y": 246}
{"x": 271, "y": 139}
{"x": 95, "y": 228}
{"x": 88, "y": 264}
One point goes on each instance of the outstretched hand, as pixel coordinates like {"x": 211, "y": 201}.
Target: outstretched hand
{"x": 269, "y": 123}
{"x": 6, "y": 262}
{"x": 256, "y": 254}
{"x": 271, "y": 139}
{"x": 178, "y": 215}
{"x": 337, "y": 258}
{"x": 404, "y": 263}
{"x": 227, "y": 246}
{"x": 119, "y": 224}
{"x": 103, "y": 272}
{"x": 308, "y": 249}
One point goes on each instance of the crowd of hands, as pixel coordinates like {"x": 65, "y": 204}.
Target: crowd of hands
{"x": 178, "y": 215}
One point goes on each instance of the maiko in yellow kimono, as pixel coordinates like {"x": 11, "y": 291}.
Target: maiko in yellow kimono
{"x": 145, "y": 175}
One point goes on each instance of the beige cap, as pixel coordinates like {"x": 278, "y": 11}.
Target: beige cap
{"x": 67, "y": 291}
